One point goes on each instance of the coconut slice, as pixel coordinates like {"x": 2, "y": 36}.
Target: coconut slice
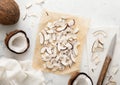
{"x": 17, "y": 41}
{"x": 71, "y": 22}
{"x": 59, "y": 29}
{"x": 100, "y": 32}
{"x": 41, "y": 38}
{"x": 29, "y": 5}
{"x": 76, "y": 30}
{"x": 80, "y": 79}
{"x": 98, "y": 46}
{"x": 69, "y": 45}
{"x": 112, "y": 83}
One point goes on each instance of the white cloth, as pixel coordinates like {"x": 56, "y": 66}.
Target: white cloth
{"x": 13, "y": 72}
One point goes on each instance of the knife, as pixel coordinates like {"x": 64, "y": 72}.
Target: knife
{"x": 107, "y": 61}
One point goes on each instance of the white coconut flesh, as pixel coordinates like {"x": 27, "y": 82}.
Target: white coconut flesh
{"x": 82, "y": 80}
{"x": 18, "y": 42}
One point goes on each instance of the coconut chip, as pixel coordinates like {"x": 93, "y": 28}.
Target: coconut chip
{"x": 25, "y": 16}
{"x": 39, "y": 2}
{"x": 100, "y": 32}
{"x": 29, "y": 5}
{"x": 115, "y": 70}
{"x": 98, "y": 46}
{"x": 96, "y": 60}
{"x": 112, "y": 83}
{"x": 33, "y": 15}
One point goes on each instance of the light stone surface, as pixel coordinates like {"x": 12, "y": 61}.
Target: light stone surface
{"x": 104, "y": 14}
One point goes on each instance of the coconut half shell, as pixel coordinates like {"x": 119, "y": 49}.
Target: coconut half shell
{"x": 17, "y": 41}
{"x": 80, "y": 78}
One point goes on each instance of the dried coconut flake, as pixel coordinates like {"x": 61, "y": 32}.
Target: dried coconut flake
{"x": 29, "y": 5}
{"x": 39, "y": 2}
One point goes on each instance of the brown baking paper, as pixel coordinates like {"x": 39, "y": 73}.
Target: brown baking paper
{"x": 80, "y": 23}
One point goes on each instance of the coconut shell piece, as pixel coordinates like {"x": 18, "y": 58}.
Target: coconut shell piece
{"x": 10, "y": 35}
{"x": 75, "y": 76}
{"x": 9, "y": 12}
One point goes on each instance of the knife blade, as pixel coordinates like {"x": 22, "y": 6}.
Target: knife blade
{"x": 107, "y": 61}
{"x": 112, "y": 47}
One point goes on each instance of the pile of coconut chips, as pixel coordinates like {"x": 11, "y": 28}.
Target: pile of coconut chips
{"x": 59, "y": 44}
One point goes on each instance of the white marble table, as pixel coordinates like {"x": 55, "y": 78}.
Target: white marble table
{"x": 103, "y": 13}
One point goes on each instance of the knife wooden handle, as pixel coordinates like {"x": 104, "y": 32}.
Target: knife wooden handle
{"x": 104, "y": 70}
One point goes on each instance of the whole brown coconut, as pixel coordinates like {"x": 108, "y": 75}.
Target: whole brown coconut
{"x": 9, "y": 12}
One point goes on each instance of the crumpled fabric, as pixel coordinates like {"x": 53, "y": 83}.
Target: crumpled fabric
{"x": 13, "y": 72}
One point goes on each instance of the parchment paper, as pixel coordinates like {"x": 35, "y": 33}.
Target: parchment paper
{"x": 80, "y": 23}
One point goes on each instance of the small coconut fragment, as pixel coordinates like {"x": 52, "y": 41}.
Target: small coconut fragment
{"x": 60, "y": 23}
{"x": 80, "y": 79}
{"x": 39, "y": 2}
{"x": 43, "y": 49}
{"x": 111, "y": 83}
{"x": 53, "y": 61}
{"x": 46, "y": 42}
{"x": 100, "y": 40}
{"x": 72, "y": 57}
{"x": 49, "y": 65}
{"x": 98, "y": 46}
{"x": 50, "y": 25}
{"x": 96, "y": 60}
{"x": 115, "y": 69}
{"x": 50, "y": 31}
{"x": 69, "y": 46}
{"x": 61, "y": 47}
{"x": 59, "y": 29}
{"x": 64, "y": 63}
{"x": 57, "y": 58}
{"x": 54, "y": 36}
{"x": 68, "y": 30}
{"x": 100, "y": 32}
{"x": 32, "y": 15}
{"x": 45, "y": 57}
{"x": 94, "y": 46}
{"x": 73, "y": 36}
{"x": 49, "y": 50}
{"x": 25, "y": 16}
{"x": 64, "y": 17}
{"x": 75, "y": 48}
{"x": 17, "y": 41}
{"x": 76, "y": 30}
{"x": 70, "y": 62}
{"x": 54, "y": 51}
{"x": 41, "y": 38}
{"x": 110, "y": 77}
{"x": 28, "y": 5}
{"x": 46, "y": 36}
{"x": 61, "y": 68}
{"x": 71, "y": 22}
